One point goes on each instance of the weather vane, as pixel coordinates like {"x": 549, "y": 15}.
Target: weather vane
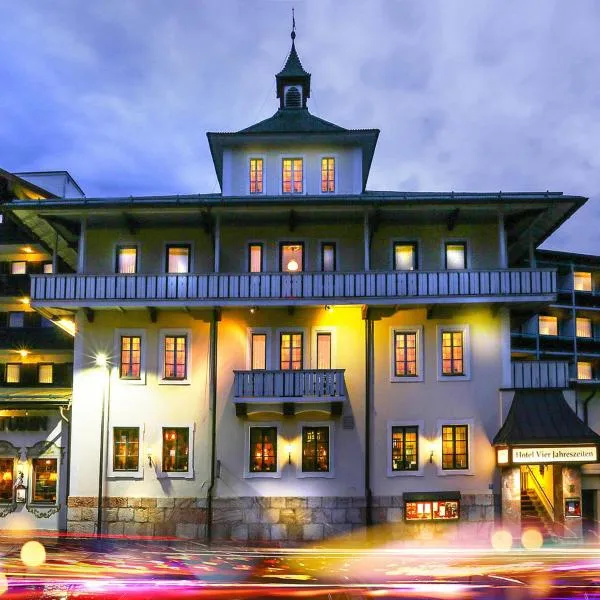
{"x": 293, "y": 25}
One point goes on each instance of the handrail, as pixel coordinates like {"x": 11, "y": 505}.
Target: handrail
{"x": 543, "y": 497}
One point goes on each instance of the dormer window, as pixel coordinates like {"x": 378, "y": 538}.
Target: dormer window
{"x": 293, "y": 97}
{"x": 292, "y": 176}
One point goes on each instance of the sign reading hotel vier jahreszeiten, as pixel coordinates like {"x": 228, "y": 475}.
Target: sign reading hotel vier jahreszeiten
{"x": 563, "y": 454}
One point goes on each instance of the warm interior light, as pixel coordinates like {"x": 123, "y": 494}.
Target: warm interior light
{"x": 292, "y": 265}
{"x": 7, "y": 476}
{"x": 101, "y": 359}
{"x": 502, "y": 456}
{"x": 53, "y": 476}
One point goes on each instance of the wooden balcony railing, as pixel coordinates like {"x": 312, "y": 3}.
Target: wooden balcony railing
{"x": 537, "y": 374}
{"x": 309, "y": 385}
{"x": 499, "y": 285}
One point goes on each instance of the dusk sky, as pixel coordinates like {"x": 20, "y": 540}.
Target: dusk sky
{"x": 469, "y": 95}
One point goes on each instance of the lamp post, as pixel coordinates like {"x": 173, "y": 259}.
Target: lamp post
{"x": 102, "y": 362}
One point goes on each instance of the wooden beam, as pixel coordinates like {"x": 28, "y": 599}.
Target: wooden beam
{"x": 89, "y": 314}
{"x": 153, "y": 313}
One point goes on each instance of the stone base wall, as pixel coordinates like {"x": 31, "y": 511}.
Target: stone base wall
{"x": 275, "y": 519}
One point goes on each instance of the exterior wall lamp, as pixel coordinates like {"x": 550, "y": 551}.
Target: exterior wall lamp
{"x": 150, "y": 462}
{"x": 431, "y": 457}
{"x": 288, "y": 449}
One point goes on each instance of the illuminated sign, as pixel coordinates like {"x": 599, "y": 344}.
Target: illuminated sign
{"x": 559, "y": 454}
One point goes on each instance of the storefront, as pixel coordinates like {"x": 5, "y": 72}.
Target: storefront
{"x": 34, "y": 437}
{"x": 540, "y": 450}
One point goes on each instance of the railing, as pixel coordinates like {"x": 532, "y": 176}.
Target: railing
{"x": 536, "y": 374}
{"x": 527, "y": 476}
{"x": 307, "y": 384}
{"x": 502, "y": 284}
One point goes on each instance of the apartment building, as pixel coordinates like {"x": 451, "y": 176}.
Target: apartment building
{"x": 298, "y": 357}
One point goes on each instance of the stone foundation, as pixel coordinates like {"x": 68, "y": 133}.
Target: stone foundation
{"x": 275, "y": 519}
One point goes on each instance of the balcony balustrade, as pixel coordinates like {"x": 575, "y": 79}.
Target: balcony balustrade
{"x": 537, "y": 374}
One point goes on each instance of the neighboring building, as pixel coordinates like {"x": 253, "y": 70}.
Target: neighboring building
{"x": 36, "y": 362}
{"x": 298, "y": 357}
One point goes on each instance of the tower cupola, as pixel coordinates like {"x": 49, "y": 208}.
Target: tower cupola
{"x": 293, "y": 82}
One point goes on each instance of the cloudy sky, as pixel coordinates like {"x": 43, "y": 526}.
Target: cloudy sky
{"x": 469, "y": 95}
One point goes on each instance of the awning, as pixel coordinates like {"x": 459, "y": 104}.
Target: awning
{"x": 430, "y": 496}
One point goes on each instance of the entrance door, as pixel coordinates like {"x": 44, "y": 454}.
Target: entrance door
{"x": 537, "y": 498}
{"x": 588, "y": 512}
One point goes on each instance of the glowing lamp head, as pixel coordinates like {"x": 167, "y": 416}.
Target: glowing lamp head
{"x": 23, "y": 353}
{"x": 292, "y": 265}
{"x": 25, "y": 300}
{"x": 27, "y": 249}
{"x": 101, "y": 360}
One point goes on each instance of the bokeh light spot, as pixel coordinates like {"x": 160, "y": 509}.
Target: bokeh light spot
{"x": 532, "y": 539}
{"x": 501, "y": 540}
{"x": 3, "y": 584}
{"x": 33, "y": 554}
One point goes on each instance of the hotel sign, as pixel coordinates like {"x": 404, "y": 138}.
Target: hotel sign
{"x": 558, "y": 454}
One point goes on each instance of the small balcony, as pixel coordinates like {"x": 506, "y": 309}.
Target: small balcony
{"x": 365, "y": 287}
{"x": 538, "y": 374}
{"x": 317, "y": 389}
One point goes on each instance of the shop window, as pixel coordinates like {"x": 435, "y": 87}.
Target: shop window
{"x": 291, "y": 351}
{"x": 455, "y": 447}
{"x": 291, "y": 257}
{"x": 16, "y": 319}
{"x": 178, "y": 258}
{"x": 7, "y": 468}
{"x": 584, "y": 370}
{"x": 405, "y": 455}
{"x": 583, "y": 327}
{"x": 405, "y": 256}
{"x": 548, "y": 325}
{"x": 582, "y": 281}
{"x": 328, "y": 256}
{"x": 126, "y": 449}
{"x": 175, "y": 357}
{"x": 176, "y": 449}
{"x": 453, "y": 353}
{"x": 456, "y": 255}
{"x": 434, "y": 510}
{"x": 131, "y": 357}
{"x": 292, "y": 176}
{"x": 256, "y": 175}
{"x": 315, "y": 450}
{"x": 127, "y": 259}
{"x": 44, "y": 480}
{"x": 255, "y": 258}
{"x": 13, "y": 373}
{"x": 263, "y": 450}
{"x": 258, "y": 351}
{"x": 18, "y": 267}
{"x": 327, "y": 175}
{"x": 46, "y": 373}
{"x": 323, "y": 350}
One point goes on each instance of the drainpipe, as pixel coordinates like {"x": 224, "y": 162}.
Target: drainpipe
{"x": 368, "y": 405}
{"x": 585, "y": 406}
{"x": 212, "y": 385}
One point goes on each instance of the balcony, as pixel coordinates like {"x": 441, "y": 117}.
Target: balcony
{"x": 309, "y": 387}
{"x": 396, "y": 287}
{"x": 538, "y": 374}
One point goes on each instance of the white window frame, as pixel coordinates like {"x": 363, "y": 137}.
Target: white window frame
{"x": 418, "y": 329}
{"x": 313, "y": 345}
{"x": 268, "y": 349}
{"x": 466, "y": 352}
{"x": 420, "y": 448}
{"x": 467, "y": 244}
{"x": 292, "y": 156}
{"x": 405, "y": 241}
{"x": 138, "y": 262}
{"x": 336, "y": 163}
{"x": 297, "y": 451}
{"x": 305, "y": 345}
{"x": 139, "y": 474}
{"x": 438, "y": 452}
{"x": 141, "y": 333}
{"x": 189, "y": 474}
{"x": 250, "y": 157}
{"x": 163, "y": 333}
{"x": 280, "y": 455}
{"x": 166, "y": 257}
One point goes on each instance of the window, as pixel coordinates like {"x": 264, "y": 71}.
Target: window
{"x": 175, "y": 357}
{"x": 405, "y": 256}
{"x": 175, "y": 454}
{"x": 256, "y": 175}
{"x": 405, "y": 455}
{"x": 453, "y": 353}
{"x": 455, "y": 447}
{"x": 290, "y": 351}
{"x": 582, "y": 281}
{"x": 45, "y": 373}
{"x": 258, "y": 351}
{"x": 548, "y": 325}
{"x": 18, "y": 267}
{"x": 405, "y": 353}
{"x": 323, "y": 350}
{"x": 131, "y": 357}
{"x": 13, "y": 373}
{"x": 44, "y": 480}
{"x": 178, "y": 258}
{"x": 263, "y": 450}
{"x": 315, "y": 449}
{"x": 255, "y": 258}
{"x": 328, "y": 256}
{"x": 327, "y": 175}
{"x": 16, "y": 319}
{"x": 291, "y": 257}
{"x": 126, "y": 448}
{"x": 293, "y": 97}
{"x": 47, "y": 268}
{"x": 126, "y": 259}
{"x": 583, "y": 327}
{"x": 434, "y": 510}
{"x": 292, "y": 176}
{"x": 7, "y": 467}
{"x": 456, "y": 255}
{"x": 584, "y": 370}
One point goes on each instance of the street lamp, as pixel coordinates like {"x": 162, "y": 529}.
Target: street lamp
{"x": 101, "y": 361}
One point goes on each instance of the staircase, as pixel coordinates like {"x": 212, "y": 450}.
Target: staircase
{"x": 534, "y": 515}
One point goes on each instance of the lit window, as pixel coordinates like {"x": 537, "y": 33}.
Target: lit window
{"x": 131, "y": 357}
{"x": 255, "y": 258}
{"x": 453, "y": 351}
{"x": 175, "y": 357}
{"x": 16, "y": 319}
{"x": 328, "y": 258}
{"x": 584, "y": 327}
{"x": 263, "y": 449}
{"x": 290, "y": 351}
{"x": 178, "y": 258}
{"x": 18, "y": 267}
{"x": 13, "y": 373}
{"x": 405, "y": 353}
{"x": 44, "y": 480}
{"x": 7, "y": 467}
{"x": 259, "y": 351}
{"x": 455, "y": 447}
{"x": 46, "y": 373}
{"x": 405, "y": 256}
{"x": 47, "y": 268}
{"x": 405, "y": 448}
{"x": 323, "y": 350}
{"x": 256, "y": 175}
{"x": 126, "y": 448}
{"x": 436, "y": 510}
{"x": 548, "y": 325}
{"x": 456, "y": 255}
{"x": 292, "y": 182}
{"x": 315, "y": 449}
{"x": 584, "y": 370}
{"x": 126, "y": 259}
{"x": 291, "y": 256}
{"x": 582, "y": 281}
{"x": 175, "y": 455}
{"x": 328, "y": 175}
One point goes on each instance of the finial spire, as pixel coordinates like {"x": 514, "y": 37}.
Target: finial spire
{"x": 293, "y": 25}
